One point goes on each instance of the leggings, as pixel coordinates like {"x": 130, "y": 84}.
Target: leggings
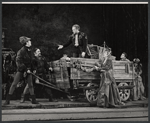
{"x": 17, "y": 78}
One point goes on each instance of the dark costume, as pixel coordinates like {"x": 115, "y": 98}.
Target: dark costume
{"x": 23, "y": 62}
{"x": 139, "y": 88}
{"x": 6, "y": 67}
{"x": 24, "y": 59}
{"x": 108, "y": 95}
{"x": 82, "y": 41}
{"x": 125, "y": 60}
{"x": 41, "y": 66}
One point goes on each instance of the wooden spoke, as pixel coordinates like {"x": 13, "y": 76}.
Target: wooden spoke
{"x": 91, "y": 95}
{"x": 124, "y": 93}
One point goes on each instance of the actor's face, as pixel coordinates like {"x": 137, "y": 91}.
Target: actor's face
{"x": 122, "y": 56}
{"x": 74, "y": 30}
{"x": 28, "y": 44}
{"x": 37, "y": 53}
{"x": 65, "y": 55}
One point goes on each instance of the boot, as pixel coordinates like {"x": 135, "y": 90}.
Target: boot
{"x": 50, "y": 99}
{"x": 53, "y": 100}
{"x": 7, "y": 102}
{"x": 27, "y": 97}
{"x": 22, "y": 98}
{"x": 34, "y": 100}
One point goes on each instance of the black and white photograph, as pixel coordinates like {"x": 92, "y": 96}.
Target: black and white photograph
{"x": 74, "y": 61}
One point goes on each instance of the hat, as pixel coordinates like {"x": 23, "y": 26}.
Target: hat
{"x": 136, "y": 60}
{"x": 24, "y": 39}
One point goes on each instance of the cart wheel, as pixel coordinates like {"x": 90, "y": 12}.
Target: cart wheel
{"x": 124, "y": 93}
{"x": 91, "y": 95}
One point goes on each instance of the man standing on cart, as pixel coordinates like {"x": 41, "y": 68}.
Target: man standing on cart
{"x": 79, "y": 40}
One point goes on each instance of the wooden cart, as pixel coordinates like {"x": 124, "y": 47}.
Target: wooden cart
{"x": 71, "y": 77}
{"x": 87, "y": 83}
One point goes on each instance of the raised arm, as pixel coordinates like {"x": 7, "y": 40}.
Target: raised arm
{"x": 66, "y": 44}
{"x": 69, "y": 42}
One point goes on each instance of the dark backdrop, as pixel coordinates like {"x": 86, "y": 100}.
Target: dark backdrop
{"x": 123, "y": 27}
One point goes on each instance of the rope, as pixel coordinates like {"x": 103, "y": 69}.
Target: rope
{"x": 50, "y": 85}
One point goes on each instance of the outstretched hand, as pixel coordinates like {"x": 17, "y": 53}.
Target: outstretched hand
{"x": 83, "y": 54}
{"x": 51, "y": 69}
{"x": 60, "y": 47}
{"x": 28, "y": 71}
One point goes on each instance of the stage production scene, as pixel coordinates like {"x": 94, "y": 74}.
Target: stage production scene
{"x": 74, "y": 62}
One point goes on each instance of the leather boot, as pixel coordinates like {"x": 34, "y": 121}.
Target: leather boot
{"x": 22, "y": 98}
{"x": 7, "y": 102}
{"x": 34, "y": 100}
{"x": 27, "y": 97}
{"x": 50, "y": 99}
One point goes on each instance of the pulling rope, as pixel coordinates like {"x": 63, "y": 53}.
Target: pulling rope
{"x": 50, "y": 85}
{"x": 42, "y": 79}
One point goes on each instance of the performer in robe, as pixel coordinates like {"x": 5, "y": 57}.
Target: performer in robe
{"x": 139, "y": 87}
{"x": 108, "y": 94}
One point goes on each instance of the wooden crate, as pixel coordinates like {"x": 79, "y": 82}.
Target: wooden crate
{"x": 123, "y": 71}
{"x": 61, "y": 74}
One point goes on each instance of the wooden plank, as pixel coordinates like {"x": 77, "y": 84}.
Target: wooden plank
{"x": 61, "y": 74}
{"x": 124, "y": 78}
{"x": 84, "y": 80}
{"x": 118, "y": 67}
{"x": 79, "y": 74}
{"x": 85, "y": 60}
{"x": 119, "y": 71}
{"x": 120, "y": 62}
